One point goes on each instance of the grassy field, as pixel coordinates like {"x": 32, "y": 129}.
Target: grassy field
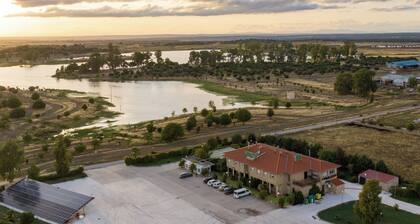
{"x": 344, "y": 214}
{"x": 400, "y": 151}
{"x": 242, "y": 96}
{"x": 400, "y": 120}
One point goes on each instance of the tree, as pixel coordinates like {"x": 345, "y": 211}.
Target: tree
{"x": 11, "y": 158}
{"x": 270, "y": 113}
{"x": 181, "y": 163}
{"x": 150, "y": 127}
{"x": 288, "y": 105}
{"x": 171, "y": 132}
{"x": 212, "y": 144}
{"x": 344, "y": 84}
{"x": 191, "y": 123}
{"x": 243, "y": 115}
{"x": 274, "y": 103}
{"x": 38, "y": 104}
{"x": 368, "y": 207}
{"x": 84, "y": 107}
{"x": 236, "y": 139}
{"x": 13, "y": 102}
{"x": 225, "y": 119}
{"x": 95, "y": 62}
{"x": 185, "y": 110}
{"x": 381, "y": 166}
{"x": 158, "y": 55}
{"x": 17, "y": 113}
{"x": 96, "y": 142}
{"x": 35, "y": 96}
{"x": 363, "y": 83}
{"x": 193, "y": 167}
{"x": 412, "y": 82}
{"x": 212, "y": 105}
{"x": 204, "y": 112}
{"x": 33, "y": 172}
{"x": 80, "y": 148}
{"x": 201, "y": 153}
{"x": 63, "y": 157}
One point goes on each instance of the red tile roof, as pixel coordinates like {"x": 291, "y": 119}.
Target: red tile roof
{"x": 376, "y": 175}
{"x": 337, "y": 182}
{"x": 276, "y": 161}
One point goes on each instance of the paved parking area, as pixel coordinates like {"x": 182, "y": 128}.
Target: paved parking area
{"x": 156, "y": 195}
{"x": 132, "y": 195}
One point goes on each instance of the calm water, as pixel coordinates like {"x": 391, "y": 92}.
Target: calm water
{"x": 138, "y": 101}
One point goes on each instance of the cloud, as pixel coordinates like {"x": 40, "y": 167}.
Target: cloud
{"x": 198, "y": 8}
{"x": 397, "y": 8}
{"x": 37, "y": 3}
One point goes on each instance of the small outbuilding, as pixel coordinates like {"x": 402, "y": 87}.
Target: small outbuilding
{"x": 337, "y": 186}
{"x": 201, "y": 165}
{"x": 48, "y": 203}
{"x": 386, "y": 181}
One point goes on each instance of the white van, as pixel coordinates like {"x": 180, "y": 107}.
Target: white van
{"x": 243, "y": 192}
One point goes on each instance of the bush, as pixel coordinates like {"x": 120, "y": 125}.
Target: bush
{"x": 79, "y": 172}
{"x": 299, "y": 198}
{"x": 38, "y": 104}
{"x": 17, "y": 113}
{"x": 282, "y": 202}
{"x": 237, "y": 139}
{"x": 411, "y": 126}
{"x": 33, "y": 172}
{"x": 154, "y": 158}
{"x": 13, "y": 102}
{"x": 80, "y": 148}
{"x": 191, "y": 123}
{"x": 27, "y": 218}
{"x": 314, "y": 190}
{"x": 181, "y": 163}
{"x": 243, "y": 115}
{"x": 35, "y": 96}
{"x": 288, "y": 105}
{"x": 225, "y": 119}
{"x": 171, "y": 132}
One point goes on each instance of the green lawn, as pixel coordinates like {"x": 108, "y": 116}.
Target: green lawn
{"x": 343, "y": 214}
{"x": 414, "y": 201}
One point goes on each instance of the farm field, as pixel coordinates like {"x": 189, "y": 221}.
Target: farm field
{"x": 400, "y": 151}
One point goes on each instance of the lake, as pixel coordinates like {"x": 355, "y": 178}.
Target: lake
{"x": 137, "y": 100}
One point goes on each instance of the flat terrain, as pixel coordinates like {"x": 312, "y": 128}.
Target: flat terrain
{"x": 156, "y": 195}
{"x": 400, "y": 151}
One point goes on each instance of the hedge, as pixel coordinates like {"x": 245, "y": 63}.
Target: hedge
{"x": 155, "y": 158}
{"x": 54, "y": 178}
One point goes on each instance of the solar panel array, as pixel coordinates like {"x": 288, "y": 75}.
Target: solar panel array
{"x": 45, "y": 201}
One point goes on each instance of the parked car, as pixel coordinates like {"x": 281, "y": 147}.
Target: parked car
{"x": 240, "y": 193}
{"x": 185, "y": 175}
{"x": 207, "y": 179}
{"x": 210, "y": 182}
{"x": 228, "y": 190}
{"x": 222, "y": 186}
{"x": 216, "y": 184}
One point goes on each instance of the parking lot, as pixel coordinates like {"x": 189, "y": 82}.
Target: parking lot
{"x": 156, "y": 195}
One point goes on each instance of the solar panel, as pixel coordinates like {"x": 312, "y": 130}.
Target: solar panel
{"x": 45, "y": 201}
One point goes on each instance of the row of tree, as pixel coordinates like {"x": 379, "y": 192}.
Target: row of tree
{"x": 360, "y": 83}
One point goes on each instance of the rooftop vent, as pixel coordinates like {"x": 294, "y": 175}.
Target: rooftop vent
{"x": 253, "y": 155}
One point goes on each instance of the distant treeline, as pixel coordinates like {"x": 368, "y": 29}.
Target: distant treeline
{"x": 34, "y": 53}
{"x": 250, "y": 61}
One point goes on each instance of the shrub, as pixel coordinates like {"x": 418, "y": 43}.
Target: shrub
{"x": 91, "y": 100}
{"x": 27, "y": 218}
{"x": 282, "y": 202}
{"x": 299, "y": 198}
{"x": 243, "y": 115}
{"x": 191, "y": 123}
{"x": 237, "y": 139}
{"x": 151, "y": 159}
{"x": 38, "y": 104}
{"x": 33, "y": 172}
{"x": 288, "y": 105}
{"x": 13, "y": 102}
{"x": 225, "y": 119}
{"x": 84, "y": 107}
{"x": 80, "y": 148}
{"x": 17, "y": 113}
{"x": 35, "y": 96}
{"x": 181, "y": 163}
{"x": 314, "y": 190}
{"x": 411, "y": 126}
{"x": 171, "y": 132}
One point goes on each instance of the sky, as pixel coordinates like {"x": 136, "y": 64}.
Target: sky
{"x": 154, "y": 17}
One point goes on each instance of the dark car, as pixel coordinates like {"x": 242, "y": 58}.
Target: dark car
{"x": 185, "y": 175}
{"x": 228, "y": 190}
{"x": 207, "y": 179}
